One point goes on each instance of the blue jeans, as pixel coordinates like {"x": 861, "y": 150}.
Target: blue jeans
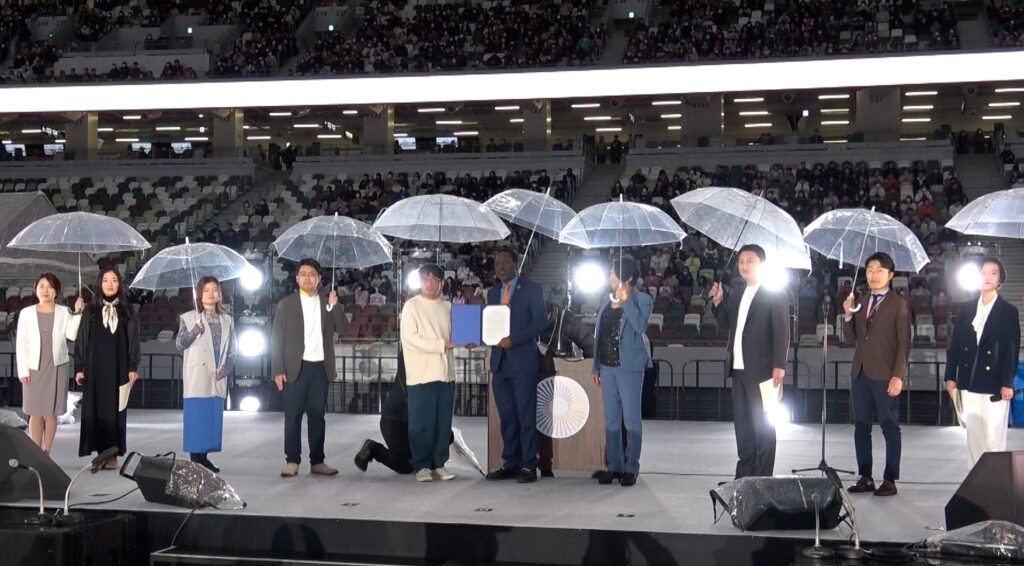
{"x": 621, "y": 391}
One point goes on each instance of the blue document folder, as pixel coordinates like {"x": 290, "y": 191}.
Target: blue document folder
{"x": 467, "y": 321}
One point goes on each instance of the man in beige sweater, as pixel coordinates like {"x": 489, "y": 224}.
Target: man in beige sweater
{"x": 430, "y": 373}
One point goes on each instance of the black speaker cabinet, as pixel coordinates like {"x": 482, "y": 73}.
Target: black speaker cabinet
{"x": 16, "y": 484}
{"x": 993, "y": 490}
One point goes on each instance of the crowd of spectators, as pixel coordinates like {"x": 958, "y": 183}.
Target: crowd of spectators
{"x": 451, "y": 36}
{"x": 1006, "y": 22}
{"x": 269, "y": 40}
{"x": 722, "y": 29}
{"x": 123, "y": 72}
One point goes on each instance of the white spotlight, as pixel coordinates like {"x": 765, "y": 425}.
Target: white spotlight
{"x": 969, "y": 276}
{"x": 250, "y": 404}
{"x": 779, "y": 416}
{"x": 251, "y": 278}
{"x": 590, "y": 277}
{"x": 774, "y": 276}
{"x": 252, "y": 343}
{"x": 412, "y": 280}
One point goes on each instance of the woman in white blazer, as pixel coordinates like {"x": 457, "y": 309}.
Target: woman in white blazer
{"x": 43, "y": 363}
{"x": 207, "y": 342}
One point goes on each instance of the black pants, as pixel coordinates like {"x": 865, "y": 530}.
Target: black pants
{"x": 306, "y": 395}
{"x": 396, "y": 454}
{"x": 871, "y": 398}
{"x": 755, "y": 436}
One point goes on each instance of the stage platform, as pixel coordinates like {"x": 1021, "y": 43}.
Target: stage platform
{"x": 380, "y": 518}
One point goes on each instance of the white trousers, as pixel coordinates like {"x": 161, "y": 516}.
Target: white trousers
{"x": 986, "y": 422}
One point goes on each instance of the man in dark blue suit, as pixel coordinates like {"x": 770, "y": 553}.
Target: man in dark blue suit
{"x": 515, "y": 363}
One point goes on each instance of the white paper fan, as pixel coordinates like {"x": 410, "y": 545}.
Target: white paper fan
{"x": 562, "y": 407}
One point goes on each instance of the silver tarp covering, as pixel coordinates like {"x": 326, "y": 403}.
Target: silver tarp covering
{"x": 988, "y": 540}
{"x": 192, "y": 482}
{"x": 746, "y": 500}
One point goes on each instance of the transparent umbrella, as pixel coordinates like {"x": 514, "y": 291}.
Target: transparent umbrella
{"x": 621, "y": 224}
{"x": 441, "y": 218}
{"x": 999, "y": 214}
{"x": 181, "y": 266}
{"x": 79, "y": 232}
{"x": 734, "y": 218}
{"x": 539, "y": 212}
{"x": 334, "y": 241}
{"x": 848, "y": 234}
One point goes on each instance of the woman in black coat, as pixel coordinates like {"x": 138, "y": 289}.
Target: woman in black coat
{"x": 981, "y": 363}
{"x": 107, "y": 355}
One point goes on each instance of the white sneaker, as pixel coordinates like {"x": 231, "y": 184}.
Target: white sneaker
{"x": 443, "y": 474}
{"x": 424, "y": 475}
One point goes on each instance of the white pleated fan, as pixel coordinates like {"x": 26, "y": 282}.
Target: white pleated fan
{"x": 562, "y": 407}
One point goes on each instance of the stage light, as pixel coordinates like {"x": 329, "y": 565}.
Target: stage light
{"x": 250, "y": 404}
{"x": 774, "y": 276}
{"x": 252, "y": 343}
{"x": 251, "y": 279}
{"x": 969, "y": 276}
{"x": 779, "y": 416}
{"x": 412, "y": 280}
{"x": 590, "y": 277}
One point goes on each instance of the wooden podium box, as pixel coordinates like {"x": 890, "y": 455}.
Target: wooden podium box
{"x": 582, "y": 452}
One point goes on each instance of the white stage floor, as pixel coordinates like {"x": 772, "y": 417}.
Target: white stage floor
{"x": 681, "y": 462}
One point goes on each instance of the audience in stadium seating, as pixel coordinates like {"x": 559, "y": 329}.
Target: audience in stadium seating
{"x": 269, "y": 41}
{"x": 457, "y": 36}
{"x": 694, "y": 31}
{"x": 1006, "y": 22}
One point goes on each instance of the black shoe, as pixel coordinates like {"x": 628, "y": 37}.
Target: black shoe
{"x": 628, "y": 479}
{"x": 863, "y": 485}
{"x": 888, "y": 488}
{"x": 527, "y": 475}
{"x": 502, "y": 474}
{"x": 605, "y": 478}
{"x": 547, "y": 473}
{"x": 364, "y": 455}
{"x": 206, "y": 463}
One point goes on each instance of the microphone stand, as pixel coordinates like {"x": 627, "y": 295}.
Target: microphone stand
{"x": 41, "y": 518}
{"x": 823, "y": 466}
{"x": 93, "y": 466}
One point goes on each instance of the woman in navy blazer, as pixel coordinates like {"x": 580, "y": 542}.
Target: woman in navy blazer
{"x": 981, "y": 362}
{"x": 620, "y": 358}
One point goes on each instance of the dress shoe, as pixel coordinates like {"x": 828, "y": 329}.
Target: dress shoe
{"x": 365, "y": 455}
{"x": 606, "y": 478}
{"x": 290, "y": 470}
{"x": 527, "y": 475}
{"x": 206, "y": 463}
{"x": 886, "y": 489}
{"x": 443, "y": 474}
{"x": 322, "y": 469}
{"x": 628, "y": 479}
{"x": 547, "y": 473}
{"x": 502, "y": 474}
{"x": 110, "y": 464}
{"x": 863, "y": 485}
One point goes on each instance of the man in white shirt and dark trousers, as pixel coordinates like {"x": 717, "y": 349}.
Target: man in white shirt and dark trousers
{"x": 758, "y": 347}
{"x": 302, "y": 362}
{"x": 426, "y": 333}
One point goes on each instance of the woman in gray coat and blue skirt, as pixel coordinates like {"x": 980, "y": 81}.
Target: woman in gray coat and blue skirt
{"x": 207, "y": 340}
{"x": 620, "y": 358}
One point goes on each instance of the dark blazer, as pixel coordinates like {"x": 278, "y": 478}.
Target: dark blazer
{"x": 766, "y": 334}
{"x": 997, "y": 353}
{"x": 529, "y": 319}
{"x": 634, "y": 353}
{"x": 883, "y": 345}
{"x": 287, "y": 340}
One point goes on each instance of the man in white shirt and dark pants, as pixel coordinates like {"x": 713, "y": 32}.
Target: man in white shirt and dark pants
{"x": 302, "y": 362}
{"x": 758, "y": 347}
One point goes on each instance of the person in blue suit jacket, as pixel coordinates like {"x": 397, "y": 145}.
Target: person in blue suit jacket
{"x": 515, "y": 364}
{"x": 621, "y": 356}
{"x": 981, "y": 363}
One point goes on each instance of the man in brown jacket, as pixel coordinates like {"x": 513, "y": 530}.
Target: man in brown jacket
{"x": 880, "y": 329}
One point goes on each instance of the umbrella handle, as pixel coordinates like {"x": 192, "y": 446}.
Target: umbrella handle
{"x": 856, "y": 308}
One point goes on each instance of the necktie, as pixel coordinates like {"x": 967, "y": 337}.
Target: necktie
{"x": 875, "y": 300}
{"x": 506, "y": 294}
